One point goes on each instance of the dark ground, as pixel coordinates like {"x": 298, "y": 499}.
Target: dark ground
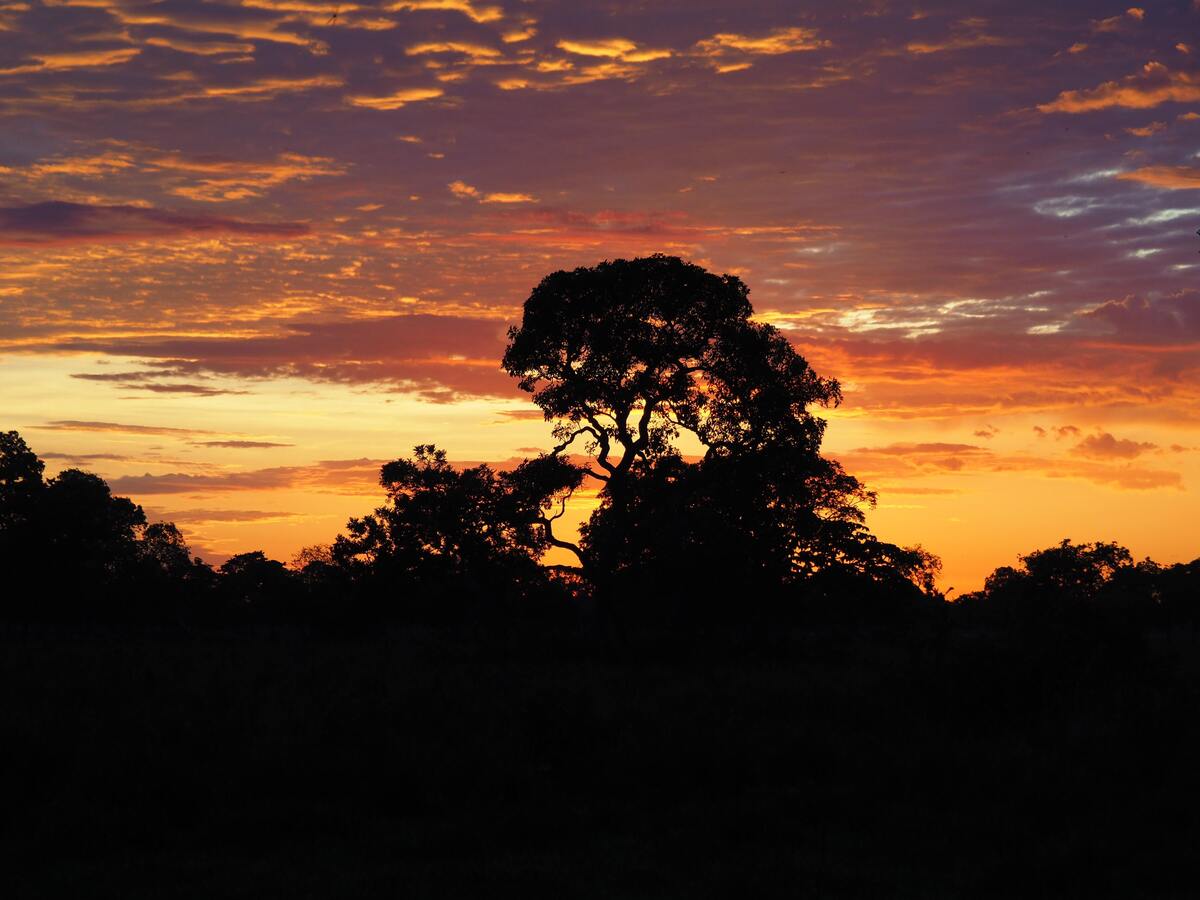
{"x": 159, "y": 764}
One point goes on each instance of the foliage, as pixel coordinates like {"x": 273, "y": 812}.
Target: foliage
{"x": 635, "y": 357}
{"x": 715, "y": 508}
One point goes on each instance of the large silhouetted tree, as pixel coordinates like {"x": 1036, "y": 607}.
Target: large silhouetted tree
{"x": 636, "y": 359}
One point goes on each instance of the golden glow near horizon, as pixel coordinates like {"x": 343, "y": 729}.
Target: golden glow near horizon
{"x": 250, "y": 251}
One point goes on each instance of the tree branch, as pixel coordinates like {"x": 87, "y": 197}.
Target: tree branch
{"x": 601, "y": 435}
{"x": 574, "y": 434}
{"x": 548, "y": 526}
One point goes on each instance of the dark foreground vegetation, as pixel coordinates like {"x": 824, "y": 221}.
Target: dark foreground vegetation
{"x": 738, "y": 691}
{"x": 270, "y": 762}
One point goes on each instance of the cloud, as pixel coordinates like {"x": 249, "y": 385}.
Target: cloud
{"x": 476, "y": 12}
{"x": 220, "y": 178}
{"x": 934, "y": 455}
{"x": 346, "y": 476}
{"x": 258, "y": 21}
{"x": 241, "y": 445}
{"x": 260, "y": 89}
{"x": 118, "y": 427}
{"x": 439, "y": 358}
{"x": 462, "y": 48}
{"x": 146, "y": 381}
{"x": 919, "y": 491}
{"x": 1177, "y": 178}
{"x": 1104, "y": 463}
{"x": 1147, "y": 130}
{"x": 614, "y": 48}
{"x": 732, "y": 52}
{"x": 197, "y": 390}
{"x": 773, "y": 43}
{"x": 1153, "y": 86}
{"x": 523, "y": 415}
{"x": 210, "y": 516}
{"x": 97, "y": 165}
{"x": 501, "y": 197}
{"x": 465, "y": 191}
{"x": 59, "y": 222}
{"x": 265, "y": 88}
{"x": 199, "y": 47}
{"x": 937, "y": 447}
{"x": 1117, "y": 23}
{"x": 115, "y": 376}
{"x": 84, "y": 457}
{"x": 75, "y": 59}
{"x": 1173, "y": 319}
{"x": 1122, "y": 477}
{"x": 204, "y": 177}
{"x": 955, "y": 42}
{"x": 396, "y": 99}
{"x": 1105, "y": 446}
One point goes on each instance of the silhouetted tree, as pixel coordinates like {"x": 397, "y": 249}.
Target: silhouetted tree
{"x": 164, "y": 549}
{"x": 1072, "y": 591}
{"x": 21, "y": 492}
{"x": 261, "y": 585}
{"x": 21, "y": 481}
{"x": 83, "y": 553}
{"x": 631, "y": 357}
{"x": 448, "y": 533}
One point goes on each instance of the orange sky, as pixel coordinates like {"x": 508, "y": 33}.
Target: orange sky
{"x": 248, "y": 253}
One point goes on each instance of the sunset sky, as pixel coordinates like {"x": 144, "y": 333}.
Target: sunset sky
{"x": 249, "y": 251}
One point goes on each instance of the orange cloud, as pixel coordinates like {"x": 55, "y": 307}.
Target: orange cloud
{"x": 773, "y": 43}
{"x": 208, "y": 178}
{"x": 613, "y": 48}
{"x": 396, "y": 99}
{"x": 211, "y": 19}
{"x": 209, "y": 516}
{"x": 1105, "y": 446}
{"x": 1116, "y": 23}
{"x": 75, "y": 59}
{"x": 474, "y": 51}
{"x": 1177, "y": 178}
{"x": 474, "y": 12}
{"x": 265, "y": 88}
{"x": 241, "y": 445}
{"x": 1104, "y": 464}
{"x": 468, "y": 192}
{"x": 229, "y": 179}
{"x": 1153, "y": 86}
{"x": 1147, "y": 130}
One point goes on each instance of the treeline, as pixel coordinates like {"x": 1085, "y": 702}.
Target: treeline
{"x": 443, "y": 552}
{"x": 627, "y": 360}
{"x": 450, "y": 547}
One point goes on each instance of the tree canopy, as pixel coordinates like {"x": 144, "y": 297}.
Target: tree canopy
{"x": 637, "y": 362}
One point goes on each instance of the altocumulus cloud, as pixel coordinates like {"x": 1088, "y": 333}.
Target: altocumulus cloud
{"x": 60, "y": 222}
